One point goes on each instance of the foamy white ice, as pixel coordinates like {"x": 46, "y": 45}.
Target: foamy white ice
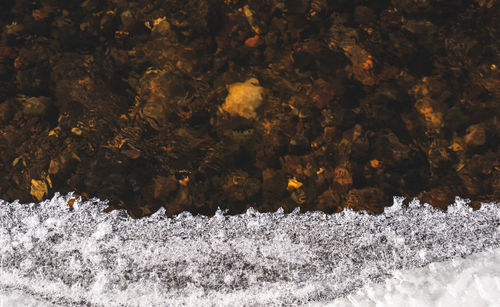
{"x": 85, "y": 257}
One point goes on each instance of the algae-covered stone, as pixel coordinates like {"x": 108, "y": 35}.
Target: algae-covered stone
{"x": 34, "y": 106}
{"x": 475, "y": 135}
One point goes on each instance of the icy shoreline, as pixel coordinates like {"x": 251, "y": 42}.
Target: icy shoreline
{"x": 85, "y": 257}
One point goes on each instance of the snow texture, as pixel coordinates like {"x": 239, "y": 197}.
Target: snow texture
{"x": 85, "y": 257}
{"x": 470, "y": 282}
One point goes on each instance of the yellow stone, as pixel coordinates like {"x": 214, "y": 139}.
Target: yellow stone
{"x": 38, "y": 189}
{"x": 184, "y": 181}
{"x": 293, "y": 184}
{"x": 456, "y": 147}
{"x": 244, "y": 98}
{"x": 76, "y": 130}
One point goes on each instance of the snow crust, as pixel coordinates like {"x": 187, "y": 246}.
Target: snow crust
{"x": 85, "y": 257}
{"x": 473, "y": 281}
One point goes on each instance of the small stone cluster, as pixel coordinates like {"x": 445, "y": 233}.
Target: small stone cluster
{"x": 193, "y": 105}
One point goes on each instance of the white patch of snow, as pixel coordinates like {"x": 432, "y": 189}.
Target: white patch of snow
{"x": 472, "y": 281}
{"x": 86, "y": 257}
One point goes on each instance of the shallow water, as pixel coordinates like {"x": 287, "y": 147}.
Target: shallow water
{"x": 86, "y": 257}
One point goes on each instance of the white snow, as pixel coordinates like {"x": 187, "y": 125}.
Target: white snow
{"x": 414, "y": 255}
{"x": 473, "y": 281}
